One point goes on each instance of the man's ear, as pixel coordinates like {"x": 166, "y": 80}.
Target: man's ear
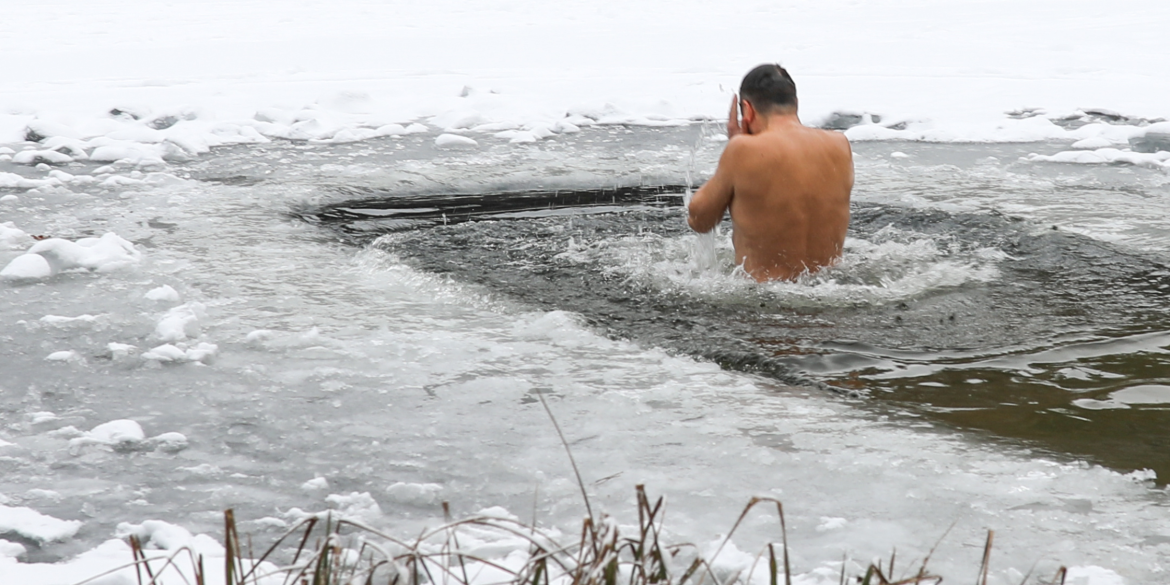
{"x": 748, "y": 112}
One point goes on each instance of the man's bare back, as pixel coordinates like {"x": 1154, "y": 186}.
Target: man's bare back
{"x": 787, "y": 187}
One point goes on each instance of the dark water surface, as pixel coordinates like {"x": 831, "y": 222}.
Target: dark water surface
{"x": 1027, "y": 302}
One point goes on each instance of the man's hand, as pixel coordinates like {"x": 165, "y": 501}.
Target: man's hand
{"x": 733, "y": 127}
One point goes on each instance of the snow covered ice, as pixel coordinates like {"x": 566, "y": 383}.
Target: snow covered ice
{"x": 175, "y": 344}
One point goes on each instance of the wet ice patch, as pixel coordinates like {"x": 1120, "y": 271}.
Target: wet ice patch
{"x": 1144, "y": 395}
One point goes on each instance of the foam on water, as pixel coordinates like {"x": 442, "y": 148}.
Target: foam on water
{"x": 890, "y": 266}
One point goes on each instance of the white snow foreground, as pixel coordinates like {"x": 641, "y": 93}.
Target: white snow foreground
{"x": 495, "y": 535}
{"x": 112, "y": 559}
{"x": 53, "y": 256}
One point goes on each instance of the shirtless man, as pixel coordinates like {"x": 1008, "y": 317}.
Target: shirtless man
{"x": 787, "y": 185}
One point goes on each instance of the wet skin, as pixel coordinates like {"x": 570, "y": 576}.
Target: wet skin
{"x": 787, "y": 187}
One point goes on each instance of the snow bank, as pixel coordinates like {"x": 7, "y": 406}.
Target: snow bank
{"x": 1159, "y": 159}
{"x": 905, "y": 71}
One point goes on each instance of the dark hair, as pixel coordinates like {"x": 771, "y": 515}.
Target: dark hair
{"x": 768, "y": 87}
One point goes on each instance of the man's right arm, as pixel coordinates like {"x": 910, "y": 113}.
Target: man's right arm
{"x": 712, "y": 199}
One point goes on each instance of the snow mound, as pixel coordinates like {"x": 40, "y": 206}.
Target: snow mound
{"x": 109, "y": 252}
{"x": 455, "y": 141}
{"x": 36, "y": 526}
{"x": 27, "y": 267}
{"x": 120, "y": 435}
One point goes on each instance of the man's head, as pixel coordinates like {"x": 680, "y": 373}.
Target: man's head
{"x": 769, "y": 89}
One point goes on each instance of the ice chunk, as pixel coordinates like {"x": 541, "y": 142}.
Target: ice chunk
{"x": 454, "y": 141}
{"x": 169, "y": 442}
{"x": 356, "y": 506}
{"x": 831, "y": 523}
{"x": 116, "y": 432}
{"x": 170, "y": 353}
{"x": 315, "y": 484}
{"x": 27, "y": 267}
{"x": 163, "y": 293}
{"x": 64, "y": 356}
{"x": 10, "y": 199}
{"x": 103, "y": 254}
{"x": 59, "y": 321}
{"x": 12, "y": 238}
{"x": 180, "y": 322}
{"x": 120, "y": 435}
{"x": 32, "y": 524}
{"x": 165, "y": 353}
{"x": 38, "y": 157}
{"x": 414, "y": 494}
{"x": 11, "y": 549}
{"x": 120, "y": 350}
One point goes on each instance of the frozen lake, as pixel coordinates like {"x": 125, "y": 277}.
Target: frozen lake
{"x": 998, "y": 329}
